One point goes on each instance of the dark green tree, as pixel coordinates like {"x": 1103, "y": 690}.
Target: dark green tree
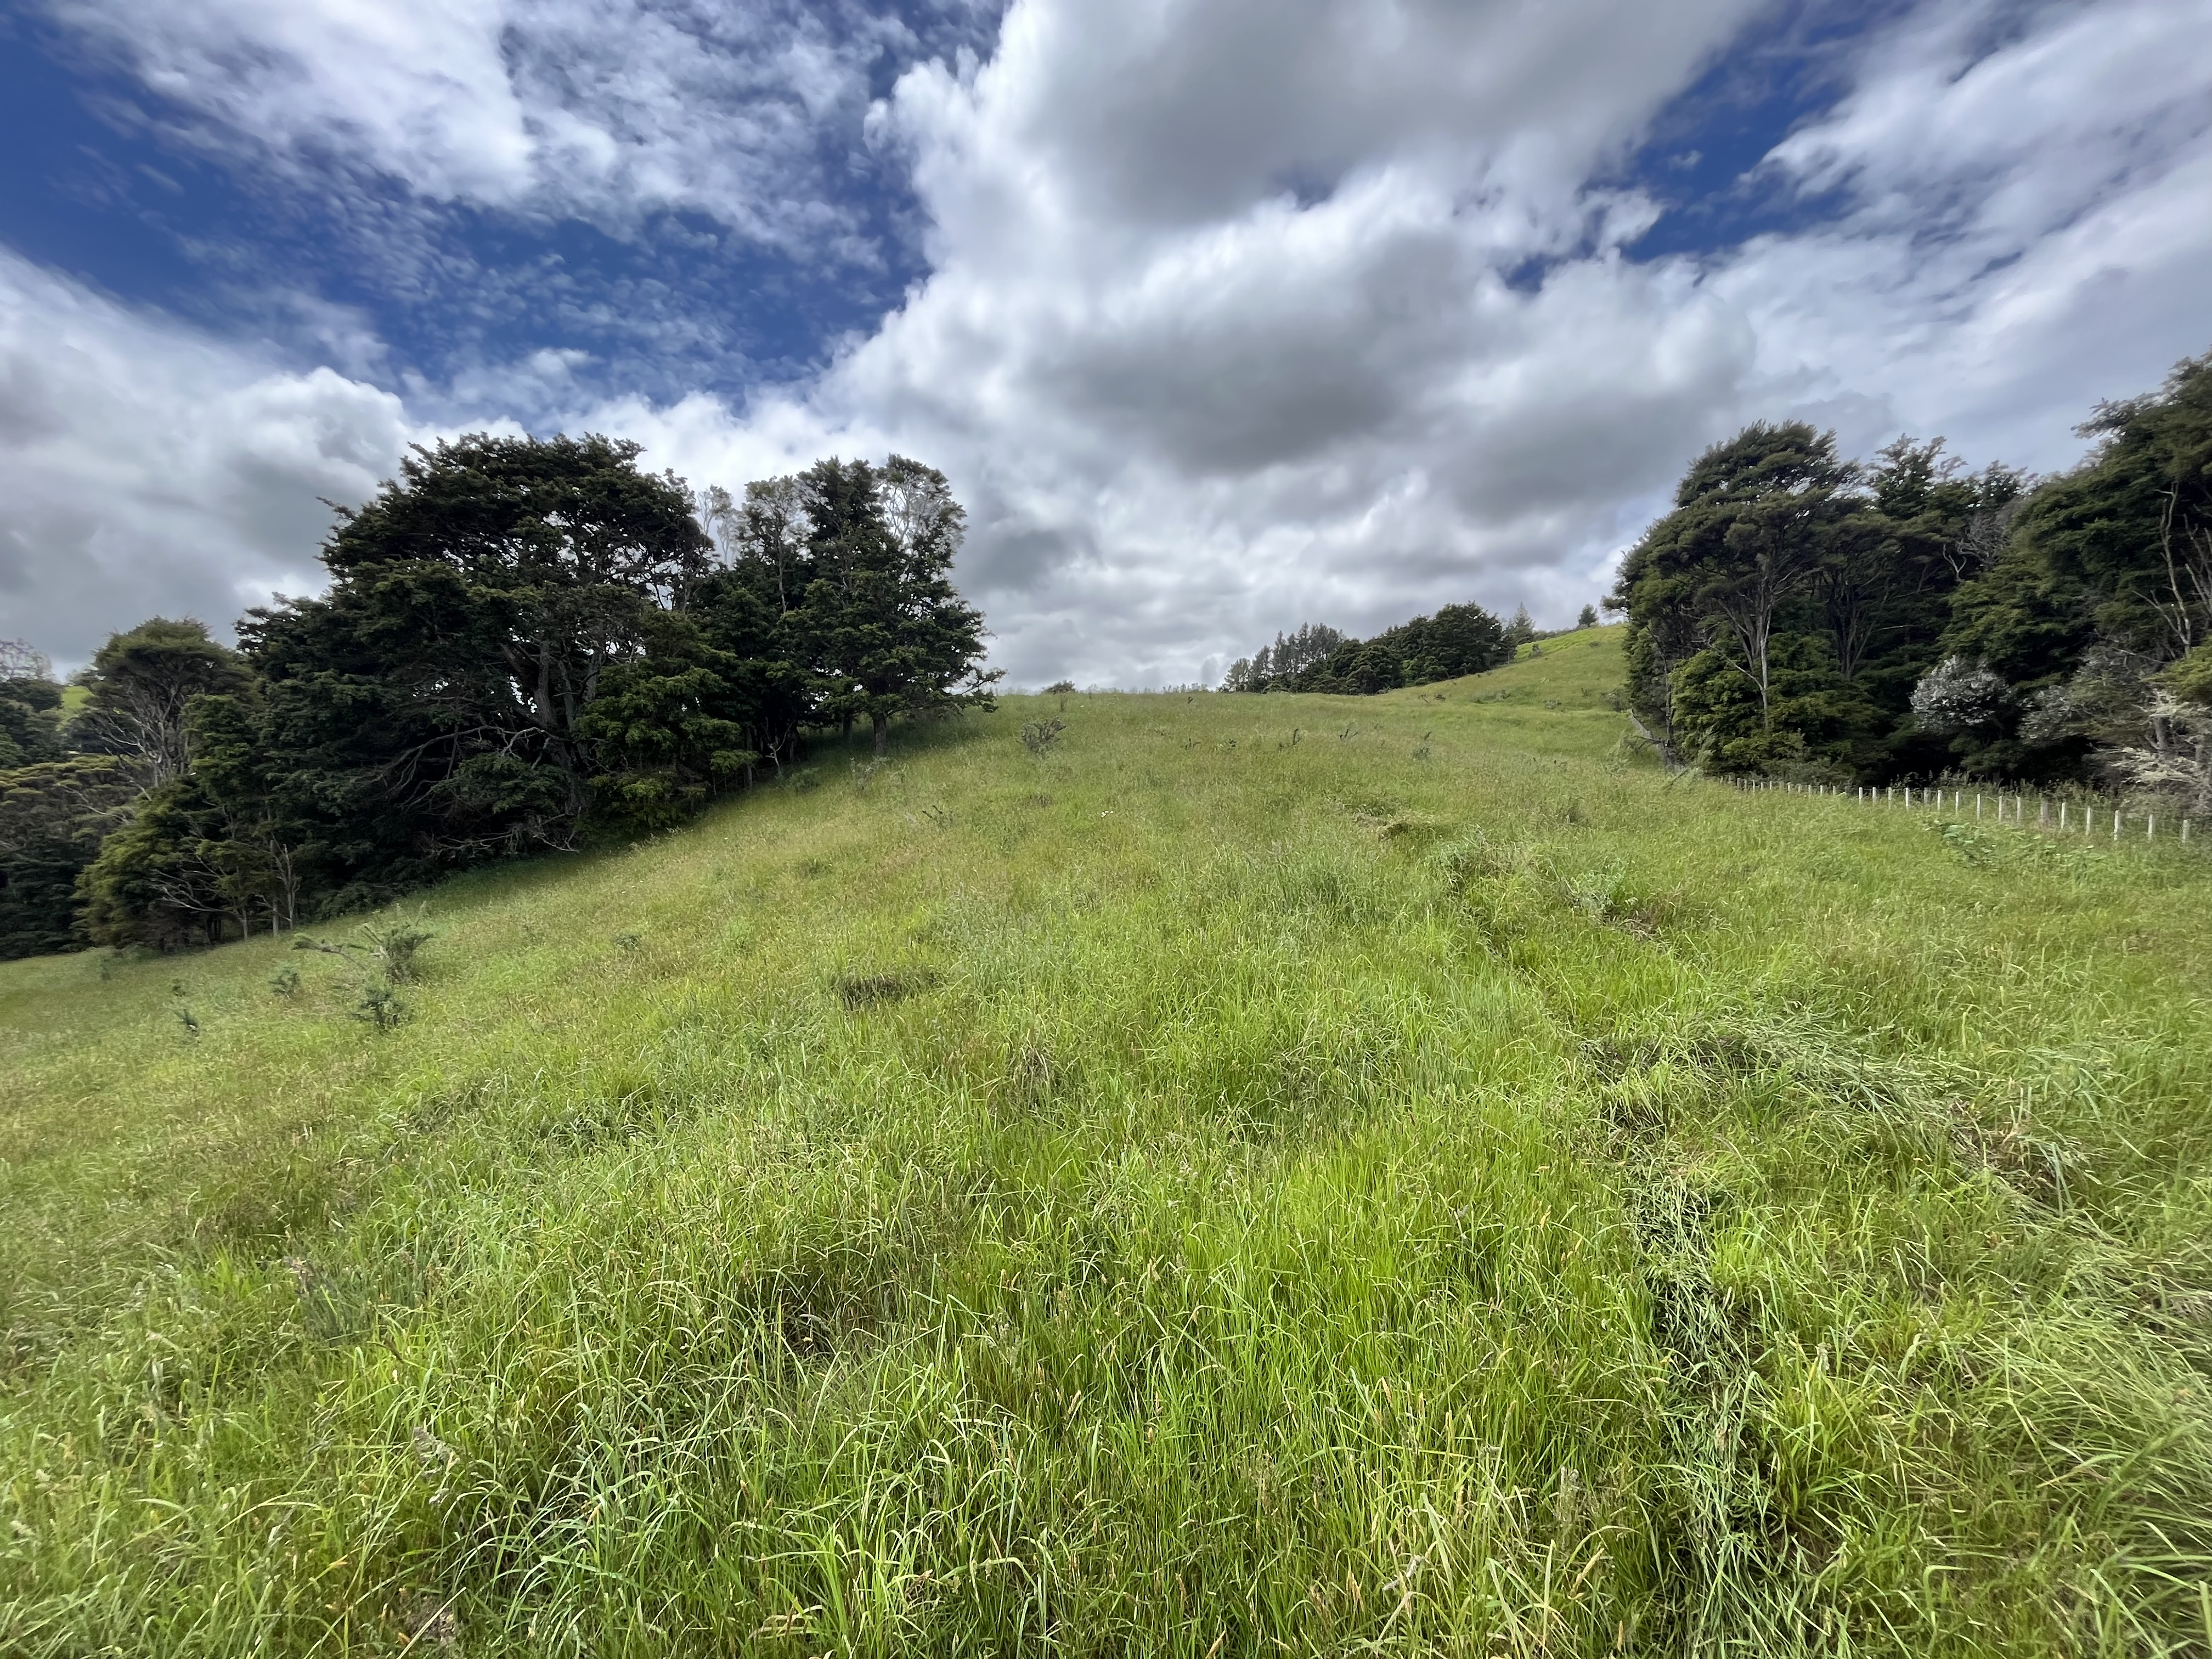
{"x": 54, "y": 815}
{"x": 886, "y": 632}
{"x": 140, "y": 686}
{"x": 524, "y": 641}
{"x": 433, "y": 709}
{"x": 30, "y": 721}
{"x": 2103, "y": 581}
{"x": 659, "y": 728}
{"x": 1722, "y": 583}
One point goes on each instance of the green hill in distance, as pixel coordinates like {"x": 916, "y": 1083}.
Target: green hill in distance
{"x": 1240, "y": 1174}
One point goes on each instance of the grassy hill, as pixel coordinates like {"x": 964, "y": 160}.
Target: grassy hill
{"x": 1268, "y": 1175}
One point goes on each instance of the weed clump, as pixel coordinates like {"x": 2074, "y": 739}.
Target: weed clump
{"x": 391, "y": 944}
{"x": 379, "y": 1006}
{"x": 1039, "y": 736}
{"x": 394, "y": 944}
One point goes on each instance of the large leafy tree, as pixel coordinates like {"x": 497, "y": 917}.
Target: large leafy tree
{"x": 558, "y": 549}
{"x": 1755, "y": 520}
{"x": 61, "y": 807}
{"x": 2104, "y": 582}
{"x": 749, "y": 608}
{"x": 435, "y": 706}
{"x": 141, "y": 684}
{"x": 1781, "y": 613}
{"x": 1913, "y": 617}
{"x": 54, "y": 814}
{"x": 524, "y": 639}
{"x": 885, "y": 630}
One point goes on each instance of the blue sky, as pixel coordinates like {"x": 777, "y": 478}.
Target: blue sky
{"x": 143, "y": 197}
{"x": 1222, "y": 314}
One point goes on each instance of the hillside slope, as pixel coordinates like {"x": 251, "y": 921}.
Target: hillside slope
{"x": 1267, "y": 1174}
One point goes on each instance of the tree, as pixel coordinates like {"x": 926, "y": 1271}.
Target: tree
{"x": 561, "y": 549}
{"x": 660, "y": 732}
{"x": 21, "y": 660}
{"x": 1281, "y": 663}
{"x": 1756, "y": 519}
{"x": 1459, "y": 639}
{"x": 2103, "y": 581}
{"x": 53, "y": 816}
{"x": 523, "y": 643}
{"x": 888, "y": 632}
{"x": 433, "y": 707}
{"x": 30, "y": 721}
{"x": 1587, "y": 617}
{"x": 140, "y": 686}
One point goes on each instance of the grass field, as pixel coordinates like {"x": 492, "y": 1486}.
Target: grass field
{"x": 1276, "y": 1175}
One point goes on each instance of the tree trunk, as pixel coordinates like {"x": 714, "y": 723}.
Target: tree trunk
{"x": 883, "y": 734}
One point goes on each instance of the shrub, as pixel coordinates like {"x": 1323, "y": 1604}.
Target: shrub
{"x": 394, "y": 944}
{"x": 380, "y": 1007}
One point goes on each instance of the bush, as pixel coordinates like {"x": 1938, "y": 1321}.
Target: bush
{"x": 1958, "y": 698}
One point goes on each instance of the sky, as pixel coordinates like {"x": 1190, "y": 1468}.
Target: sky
{"x": 1221, "y": 315}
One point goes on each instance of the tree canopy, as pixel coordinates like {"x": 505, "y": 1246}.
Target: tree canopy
{"x": 1800, "y": 613}
{"x": 525, "y": 643}
{"x": 1459, "y": 639}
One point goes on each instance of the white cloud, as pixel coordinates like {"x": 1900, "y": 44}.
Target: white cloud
{"x": 2026, "y": 229}
{"x": 598, "y": 109}
{"x": 1219, "y": 337}
{"x": 1218, "y": 333}
{"x": 145, "y": 471}
{"x": 1229, "y": 324}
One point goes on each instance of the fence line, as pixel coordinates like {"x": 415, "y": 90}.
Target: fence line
{"x": 2073, "y": 815}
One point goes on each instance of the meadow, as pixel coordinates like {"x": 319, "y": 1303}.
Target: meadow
{"x": 1243, "y": 1174}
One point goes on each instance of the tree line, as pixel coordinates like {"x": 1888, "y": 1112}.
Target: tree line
{"x": 1459, "y": 639}
{"x": 1804, "y": 614}
{"x": 525, "y": 644}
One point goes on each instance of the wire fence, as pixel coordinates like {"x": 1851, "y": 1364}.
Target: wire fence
{"x": 2057, "y": 814}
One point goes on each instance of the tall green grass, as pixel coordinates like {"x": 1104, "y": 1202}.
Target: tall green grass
{"x": 1268, "y": 1175}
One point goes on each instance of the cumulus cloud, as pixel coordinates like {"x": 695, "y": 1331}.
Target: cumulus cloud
{"x": 1232, "y": 324}
{"x": 1223, "y": 327}
{"x": 147, "y": 470}
{"x": 1243, "y": 313}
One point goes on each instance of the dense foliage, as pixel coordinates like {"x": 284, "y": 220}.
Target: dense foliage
{"x": 525, "y": 643}
{"x": 1803, "y": 614}
{"x": 1459, "y": 639}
